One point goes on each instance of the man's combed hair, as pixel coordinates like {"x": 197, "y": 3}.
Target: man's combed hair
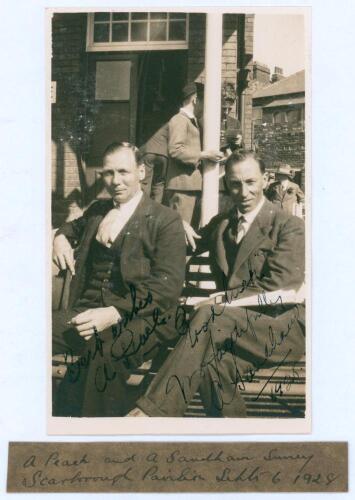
{"x": 241, "y": 155}
{"x": 116, "y": 146}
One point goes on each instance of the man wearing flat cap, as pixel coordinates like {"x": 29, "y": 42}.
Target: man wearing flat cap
{"x": 184, "y": 178}
{"x": 284, "y": 192}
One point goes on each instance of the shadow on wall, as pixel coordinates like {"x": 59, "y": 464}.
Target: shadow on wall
{"x": 71, "y": 195}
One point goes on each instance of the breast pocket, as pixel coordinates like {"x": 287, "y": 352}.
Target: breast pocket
{"x": 135, "y": 263}
{"x": 260, "y": 256}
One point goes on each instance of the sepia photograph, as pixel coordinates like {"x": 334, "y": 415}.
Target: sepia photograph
{"x": 180, "y": 186}
{"x": 176, "y": 247}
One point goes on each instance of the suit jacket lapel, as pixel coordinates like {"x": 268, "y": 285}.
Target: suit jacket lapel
{"x": 93, "y": 226}
{"x": 133, "y": 225}
{"x": 256, "y": 233}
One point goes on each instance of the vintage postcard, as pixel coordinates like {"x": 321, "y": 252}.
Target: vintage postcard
{"x": 159, "y": 296}
{"x": 179, "y": 149}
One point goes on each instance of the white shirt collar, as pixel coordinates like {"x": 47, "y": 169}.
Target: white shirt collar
{"x": 131, "y": 204}
{"x": 250, "y": 216}
{"x": 188, "y": 112}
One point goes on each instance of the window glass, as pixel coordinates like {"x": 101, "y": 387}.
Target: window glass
{"x": 142, "y": 30}
{"x": 120, "y": 16}
{"x": 101, "y": 32}
{"x": 120, "y": 32}
{"x": 277, "y": 117}
{"x": 158, "y": 15}
{"x": 139, "y": 15}
{"x": 177, "y": 15}
{"x": 158, "y": 31}
{"x": 177, "y": 30}
{"x": 139, "y": 32}
{"x": 102, "y": 16}
{"x": 293, "y": 116}
{"x": 266, "y": 117}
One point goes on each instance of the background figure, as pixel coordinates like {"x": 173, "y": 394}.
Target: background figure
{"x": 155, "y": 157}
{"x": 284, "y": 192}
{"x": 184, "y": 179}
{"x": 270, "y": 180}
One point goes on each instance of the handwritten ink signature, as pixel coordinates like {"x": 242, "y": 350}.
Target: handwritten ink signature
{"x": 125, "y": 344}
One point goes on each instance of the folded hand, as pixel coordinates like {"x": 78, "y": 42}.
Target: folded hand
{"x": 95, "y": 320}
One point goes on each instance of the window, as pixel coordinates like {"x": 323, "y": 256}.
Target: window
{"x": 137, "y": 31}
{"x": 293, "y": 115}
{"x": 280, "y": 117}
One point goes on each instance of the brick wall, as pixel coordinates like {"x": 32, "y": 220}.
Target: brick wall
{"x": 281, "y": 143}
{"x": 196, "y": 54}
{"x": 68, "y": 61}
{"x": 237, "y": 52}
{"x": 248, "y": 65}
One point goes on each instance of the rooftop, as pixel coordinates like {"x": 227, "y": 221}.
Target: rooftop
{"x": 289, "y": 85}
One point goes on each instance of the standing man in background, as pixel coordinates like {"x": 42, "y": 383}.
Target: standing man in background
{"x": 284, "y": 192}
{"x": 155, "y": 157}
{"x": 184, "y": 178}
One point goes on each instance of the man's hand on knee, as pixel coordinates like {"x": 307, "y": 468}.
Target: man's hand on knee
{"x": 63, "y": 254}
{"x": 95, "y": 320}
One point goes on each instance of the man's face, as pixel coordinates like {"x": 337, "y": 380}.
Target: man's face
{"x": 282, "y": 177}
{"x": 121, "y": 175}
{"x": 239, "y": 139}
{"x": 198, "y": 106}
{"x": 245, "y": 183}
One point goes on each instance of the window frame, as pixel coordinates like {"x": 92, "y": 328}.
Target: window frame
{"x": 92, "y": 46}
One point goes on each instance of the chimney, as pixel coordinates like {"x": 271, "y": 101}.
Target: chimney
{"x": 278, "y": 74}
{"x": 261, "y": 72}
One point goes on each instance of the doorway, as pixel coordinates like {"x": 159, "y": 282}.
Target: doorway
{"x": 129, "y": 97}
{"x": 161, "y": 77}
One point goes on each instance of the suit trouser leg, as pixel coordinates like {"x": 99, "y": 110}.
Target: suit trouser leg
{"x": 186, "y": 203}
{"x": 193, "y": 362}
{"x": 216, "y": 353}
{"x": 95, "y": 383}
{"x": 220, "y": 383}
{"x": 65, "y": 340}
{"x": 159, "y": 165}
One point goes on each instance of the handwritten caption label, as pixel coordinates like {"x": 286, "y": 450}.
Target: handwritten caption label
{"x": 177, "y": 467}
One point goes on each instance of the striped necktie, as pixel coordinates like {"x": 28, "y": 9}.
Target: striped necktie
{"x": 241, "y": 229}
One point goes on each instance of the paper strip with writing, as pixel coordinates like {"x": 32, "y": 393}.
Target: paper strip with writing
{"x": 178, "y": 467}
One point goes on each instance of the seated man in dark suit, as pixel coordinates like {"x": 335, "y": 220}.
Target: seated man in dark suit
{"x": 127, "y": 278}
{"x": 254, "y": 248}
